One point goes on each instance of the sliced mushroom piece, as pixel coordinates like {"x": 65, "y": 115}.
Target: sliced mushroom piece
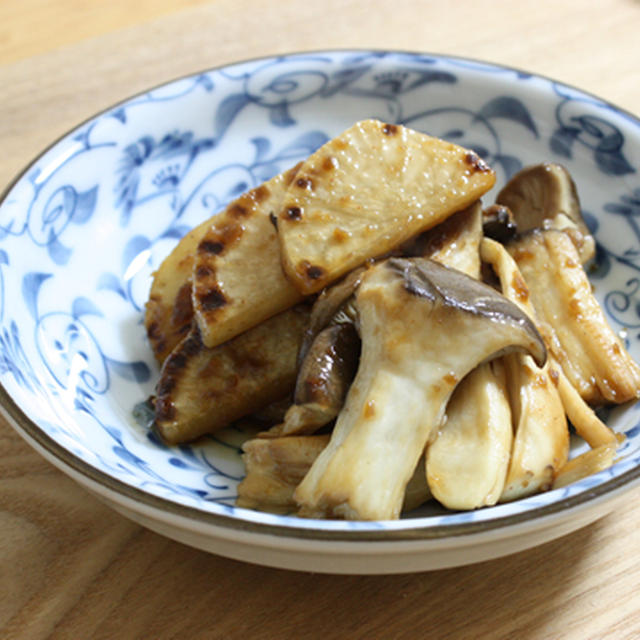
{"x": 541, "y": 445}
{"x": 581, "y": 416}
{"x": 586, "y": 464}
{"x": 327, "y": 361}
{"x": 571, "y": 320}
{"x": 423, "y": 328}
{"x": 468, "y": 460}
{"x": 545, "y": 196}
{"x": 454, "y": 243}
{"x": 323, "y": 381}
{"x": 331, "y": 306}
{"x": 584, "y": 419}
{"x": 498, "y": 223}
{"x": 541, "y": 440}
{"x": 468, "y": 456}
{"x": 202, "y": 390}
{"x": 274, "y": 468}
{"x": 273, "y": 413}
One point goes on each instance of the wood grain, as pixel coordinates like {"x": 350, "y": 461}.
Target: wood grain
{"x": 72, "y": 568}
{"x": 31, "y": 27}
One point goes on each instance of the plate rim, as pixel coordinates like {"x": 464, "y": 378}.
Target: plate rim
{"x": 28, "y": 429}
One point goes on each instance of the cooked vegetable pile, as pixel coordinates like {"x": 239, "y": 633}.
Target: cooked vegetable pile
{"x": 407, "y": 343}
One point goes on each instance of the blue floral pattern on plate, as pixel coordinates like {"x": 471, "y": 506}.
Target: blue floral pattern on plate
{"x": 82, "y": 230}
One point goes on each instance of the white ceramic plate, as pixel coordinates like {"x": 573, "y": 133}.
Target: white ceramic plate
{"x": 82, "y": 229}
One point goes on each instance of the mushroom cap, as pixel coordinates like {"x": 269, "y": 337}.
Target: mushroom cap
{"x": 540, "y": 192}
{"x": 443, "y": 286}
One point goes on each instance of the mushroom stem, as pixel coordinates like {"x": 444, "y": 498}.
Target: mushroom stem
{"x": 423, "y": 328}
{"x": 572, "y": 321}
{"x": 582, "y": 417}
{"x": 468, "y": 456}
{"x": 468, "y": 460}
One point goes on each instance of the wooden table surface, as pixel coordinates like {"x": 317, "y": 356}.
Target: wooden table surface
{"x": 72, "y": 568}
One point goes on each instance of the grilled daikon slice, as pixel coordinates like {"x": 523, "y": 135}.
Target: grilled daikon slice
{"x": 237, "y": 275}
{"x": 367, "y": 191}
{"x": 202, "y": 390}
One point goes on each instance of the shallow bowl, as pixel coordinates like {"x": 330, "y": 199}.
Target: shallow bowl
{"x": 83, "y": 228}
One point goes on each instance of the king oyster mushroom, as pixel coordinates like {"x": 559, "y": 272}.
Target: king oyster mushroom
{"x": 467, "y": 462}
{"x": 274, "y": 468}
{"x": 328, "y": 359}
{"x": 586, "y": 464}
{"x": 322, "y": 382}
{"x": 552, "y": 244}
{"x": 544, "y": 196}
{"x": 541, "y": 398}
{"x": 468, "y": 455}
{"x": 423, "y": 328}
{"x": 572, "y": 321}
{"x": 580, "y": 414}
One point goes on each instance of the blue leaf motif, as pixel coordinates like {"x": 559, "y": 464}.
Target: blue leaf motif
{"x": 176, "y": 232}
{"x": 80, "y": 404}
{"x": 13, "y": 359}
{"x": 340, "y": 80}
{"x": 31, "y": 284}
{"x": 188, "y": 451}
{"x": 206, "y": 81}
{"x": 133, "y": 371}
{"x": 620, "y": 209}
{"x": 4, "y": 258}
{"x": 511, "y": 109}
{"x": 613, "y": 163}
{"x": 279, "y": 115}
{"x": 601, "y": 264}
{"x": 110, "y": 282}
{"x": 174, "y": 144}
{"x": 154, "y": 438}
{"x": 200, "y": 493}
{"x": 264, "y": 172}
{"x": 180, "y": 464}
{"x": 133, "y": 249}
{"x": 262, "y": 145}
{"x": 83, "y": 398}
{"x": 562, "y": 141}
{"x": 453, "y": 134}
{"x": 433, "y": 76}
{"x": 127, "y": 456}
{"x": 591, "y": 221}
{"x": 119, "y": 114}
{"x": 85, "y": 205}
{"x": 56, "y": 250}
{"x": 630, "y": 206}
{"x": 227, "y": 111}
{"x": 83, "y": 306}
{"x": 116, "y": 434}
